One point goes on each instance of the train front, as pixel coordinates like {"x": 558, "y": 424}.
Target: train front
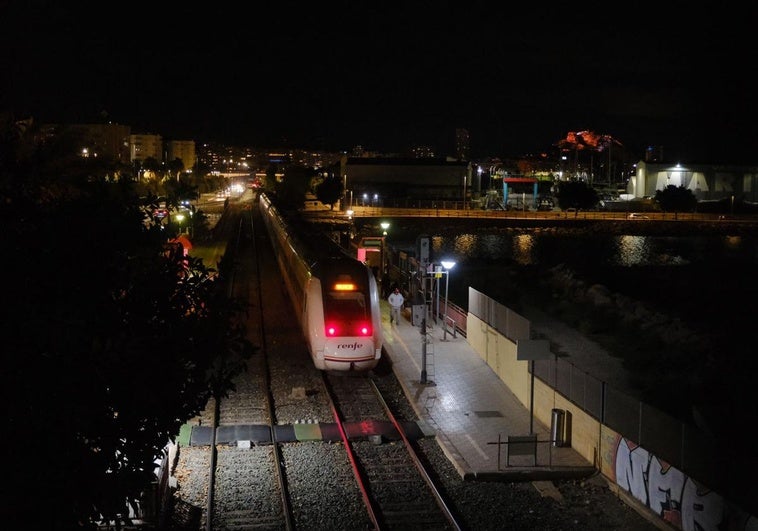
{"x": 349, "y": 337}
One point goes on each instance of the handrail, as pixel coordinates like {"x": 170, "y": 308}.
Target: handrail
{"x": 444, "y": 328}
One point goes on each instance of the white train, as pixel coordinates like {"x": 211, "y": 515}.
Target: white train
{"x": 335, "y": 296}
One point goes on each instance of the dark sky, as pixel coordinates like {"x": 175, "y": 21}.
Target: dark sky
{"x": 331, "y": 75}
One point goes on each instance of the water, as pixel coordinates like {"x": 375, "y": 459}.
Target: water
{"x": 706, "y": 279}
{"x": 553, "y": 247}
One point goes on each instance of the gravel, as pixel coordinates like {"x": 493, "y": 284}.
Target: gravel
{"x": 325, "y": 496}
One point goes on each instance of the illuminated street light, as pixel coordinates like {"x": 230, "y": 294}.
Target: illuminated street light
{"x": 385, "y": 287}
{"x": 448, "y": 265}
{"x": 179, "y": 220}
{"x": 344, "y": 192}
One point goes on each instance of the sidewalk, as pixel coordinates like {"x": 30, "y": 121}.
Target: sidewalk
{"x": 471, "y": 410}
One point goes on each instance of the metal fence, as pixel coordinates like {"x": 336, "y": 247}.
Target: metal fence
{"x": 456, "y": 209}
{"x": 680, "y": 444}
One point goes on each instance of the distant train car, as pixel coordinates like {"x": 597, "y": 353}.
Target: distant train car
{"x": 334, "y": 295}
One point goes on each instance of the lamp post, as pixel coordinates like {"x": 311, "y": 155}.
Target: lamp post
{"x": 448, "y": 265}
{"x": 384, "y": 225}
{"x": 437, "y": 275}
{"x": 344, "y": 193}
{"x": 180, "y": 220}
{"x": 465, "y": 177}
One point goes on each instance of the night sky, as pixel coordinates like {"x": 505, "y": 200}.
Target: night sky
{"x": 332, "y": 75}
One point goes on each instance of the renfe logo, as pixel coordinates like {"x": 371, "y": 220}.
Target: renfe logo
{"x": 350, "y": 346}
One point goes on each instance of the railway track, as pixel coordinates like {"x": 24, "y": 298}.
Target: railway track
{"x": 236, "y": 482}
{"x": 398, "y": 491}
{"x": 244, "y": 474}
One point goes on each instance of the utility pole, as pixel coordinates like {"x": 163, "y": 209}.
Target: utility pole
{"x": 423, "y": 328}
{"x": 424, "y": 247}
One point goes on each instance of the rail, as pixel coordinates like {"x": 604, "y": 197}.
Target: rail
{"x": 456, "y": 318}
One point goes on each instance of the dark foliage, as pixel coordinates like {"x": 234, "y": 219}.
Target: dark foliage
{"x": 111, "y": 342}
{"x": 291, "y": 189}
{"x": 676, "y": 199}
{"x": 576, "y": 194}
{"x": 330, "y": 190}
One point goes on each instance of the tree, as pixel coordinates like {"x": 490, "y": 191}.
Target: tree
{"x": 180, "y": 189}
{"x": 294, "y": 185}
{"x": 151, "y": 164}
{"x": 676, "y": 199}
{"x": 330, "y": 190}
{"x": 576, "y": 194}
{"x": 113, "y": 342}
{"x": 175, "y": 168}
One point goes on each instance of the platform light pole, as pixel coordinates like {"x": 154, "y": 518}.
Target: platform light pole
{"x": 384, "y": 225}
{"x": 423, "y": 328}
{"x": 437, "y": 275}
{"x": 424, "y": 246}
{"x": 448, "y": 265}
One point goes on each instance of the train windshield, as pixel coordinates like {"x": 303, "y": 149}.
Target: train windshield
{"x": 346, "y": 306}
{"x": 346, "y": 313}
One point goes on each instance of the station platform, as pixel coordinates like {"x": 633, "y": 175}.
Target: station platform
{"x": 471, "y": 411}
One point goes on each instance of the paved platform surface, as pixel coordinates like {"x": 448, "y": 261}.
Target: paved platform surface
{"x": 471, "y": 410}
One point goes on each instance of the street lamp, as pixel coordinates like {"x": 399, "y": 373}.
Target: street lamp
{"x": 465, "y": 177}
{"x": 179, "y": 220}
{"x": 384, "y": 225}
{"x": 344, "y": 192}
{"x": 448, "y": 265}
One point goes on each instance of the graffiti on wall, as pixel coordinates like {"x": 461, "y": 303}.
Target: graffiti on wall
{"x": 675, "y": 497}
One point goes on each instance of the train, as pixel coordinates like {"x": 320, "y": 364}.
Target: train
{"x": 335, "y": 296}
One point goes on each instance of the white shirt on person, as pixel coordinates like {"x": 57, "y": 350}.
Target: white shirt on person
{"x": 396, "y": 299}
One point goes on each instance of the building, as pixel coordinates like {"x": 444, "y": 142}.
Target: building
{"x": 707, "y": 182}
{"x": 109, "y": 141}
{"x": 183, "y": 150}
{"x": 372, "y": 181}
{"x": 144, "y": 146}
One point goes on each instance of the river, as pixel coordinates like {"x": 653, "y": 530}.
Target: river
{"x": 705, "y": 276}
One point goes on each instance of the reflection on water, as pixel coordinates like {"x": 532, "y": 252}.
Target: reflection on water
{"x": 632, "y": 250}
{"x": 662, "y": 270}
{"x": 550, "y": 248}
{"x": 523, "y": 246}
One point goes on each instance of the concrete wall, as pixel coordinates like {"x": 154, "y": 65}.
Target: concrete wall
{"x": 635, "y": 473}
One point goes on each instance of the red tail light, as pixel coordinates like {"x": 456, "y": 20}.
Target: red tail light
{"x": 361, "y": 329}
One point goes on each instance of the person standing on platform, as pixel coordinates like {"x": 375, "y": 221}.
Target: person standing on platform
{"x": 396, "y": 301}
